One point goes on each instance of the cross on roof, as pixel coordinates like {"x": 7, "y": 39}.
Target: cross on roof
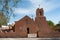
{"x": 39, "y": 5}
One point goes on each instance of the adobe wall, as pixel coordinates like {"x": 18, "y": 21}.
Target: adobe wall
{"x": 21, "y": 27}
{"x": 40, "y": 35}
{"x": 52, "y": 34}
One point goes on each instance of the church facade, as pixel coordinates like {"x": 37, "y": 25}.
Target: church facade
{"x": 26, "y": 26}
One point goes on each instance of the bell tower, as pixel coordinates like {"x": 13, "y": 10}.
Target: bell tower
{"x": 41, "y": 22}
{"x": 39, "y": 12}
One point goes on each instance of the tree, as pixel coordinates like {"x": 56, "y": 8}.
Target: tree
{"x": 51, "y": 24}
{"x": 57, "y": 27}
{"x": 6, "y": 6}
{"x": 3, "y": 19}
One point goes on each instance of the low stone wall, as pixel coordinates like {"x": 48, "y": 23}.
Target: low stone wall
{"x": 9, "y": 34}
{"x": 49, "y": 35}
{"x": 40, "y": 35}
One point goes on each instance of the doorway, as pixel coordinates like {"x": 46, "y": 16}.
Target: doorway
{"x": 27, "y": 30}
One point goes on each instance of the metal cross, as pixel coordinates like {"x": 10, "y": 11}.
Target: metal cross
{"x": 39, "y": 5}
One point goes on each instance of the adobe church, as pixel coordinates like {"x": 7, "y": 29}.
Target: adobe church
{"x": 26, "y": 26}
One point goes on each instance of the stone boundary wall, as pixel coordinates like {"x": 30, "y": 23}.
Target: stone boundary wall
{"x": 40, "y": 35}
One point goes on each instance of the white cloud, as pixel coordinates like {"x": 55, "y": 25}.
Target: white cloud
{"x": 36, "y": 1}
{"x": 48, "y": 6}
{"x": 21, "y": 11}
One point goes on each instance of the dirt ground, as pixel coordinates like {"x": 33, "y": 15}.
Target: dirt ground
{"x": 29, "y": 38}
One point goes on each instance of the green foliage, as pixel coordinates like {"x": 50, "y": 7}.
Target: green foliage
{"x": 57, "y": 26}
{"x": 6, "y": 6}
{"x": 3, "y": 19}
{"x": 51, "y": 24}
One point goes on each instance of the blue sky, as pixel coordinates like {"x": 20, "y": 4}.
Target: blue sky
{"x": 28, "y": 7}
